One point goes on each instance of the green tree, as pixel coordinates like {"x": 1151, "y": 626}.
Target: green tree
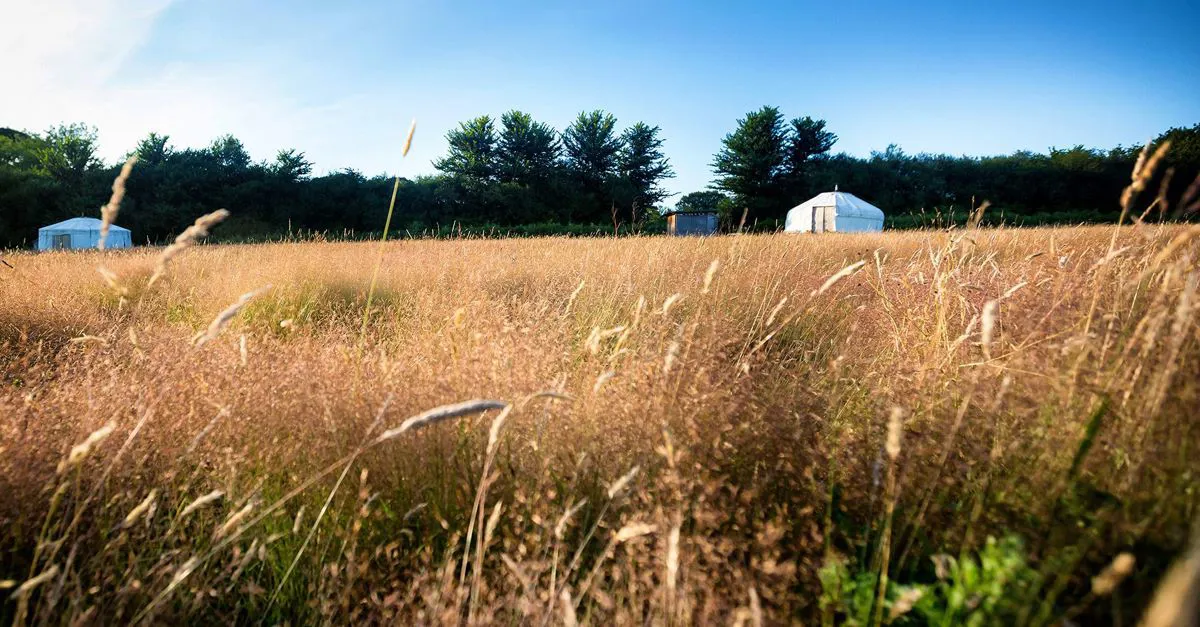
{"x": 1185, "y": 144}
{"x": 29, "y": 196}
{"x": 473, "y": 150}
{"x": 69, "y": 151}
{"x": 707, "y": 200}
{"x": 727, "y": 211}
{"x": 22, "y": 151}
{"x": 751, "y": 161}
{"x": 591, "y": 145}
{"x": 807, "y": 138}
{"x": 291, "y": 165}
{"x": 528, "y": 151}
{"x": 230, "y": 153}
{"x": 642, "y": 163}
{"x": 153, "y": 150}
{"x": 1184, "y": 158}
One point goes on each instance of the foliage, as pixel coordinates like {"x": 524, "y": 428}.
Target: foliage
{"x": 708, "y": 200}
{"x": 807, "y": 140}
{"x": 991, "y": 588}
{"x": 750, "y": 163}
{"x": 518, "y": 171}
{"x": 768, "y": 167}
{"x": 291, "y": 165}
{"x": 590, "y": 148}
{"x": 591, "y": 145}
{"x": 529, "y": 150}
{"x": 766, "y": 164}
{"x": 69, "y": 151}
{"x": 153, "y": 150}
{"x": 472, "y": 151}
{"x": 644, "y": 165}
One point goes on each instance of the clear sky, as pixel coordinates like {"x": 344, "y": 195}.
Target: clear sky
{"x": 342, "y": 80}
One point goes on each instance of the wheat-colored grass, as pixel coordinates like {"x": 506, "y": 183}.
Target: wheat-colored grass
{"x": 716, "y": 424}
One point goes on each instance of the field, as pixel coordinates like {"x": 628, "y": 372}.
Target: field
{"x": 738, "y": 429}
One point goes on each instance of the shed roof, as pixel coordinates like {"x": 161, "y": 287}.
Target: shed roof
{"x": 81, "y": 224}
{"x": 690, "y": 211}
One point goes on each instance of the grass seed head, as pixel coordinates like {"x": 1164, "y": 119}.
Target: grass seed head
{"x": 619, "y": 484}
{"x": 132, "y": 517}
{"x": 108, "y": 213}
{"x": 672, "y": 558}
{"x": 561, "y": 526}
{"x": 80, "y": 451}
{"x": 234, "y": 520}
{"x": 710, "y": 274}
{"x": 201, "y": 502}
{"x": 29, "y": 585}
{"x": 987, "y": 325}
{"x": 1108, "y": 580}
{"x": 633, "y": 530}
{"x": 412, "y": 128}
{"x": 838, "y": 276}
{"x": 440, "y": 414}
{"x": 568, "y": 608}
{"x": 188, "y": 238}
{"x": 904, "y": 604}
{"x": 670, "y": 302}
{"x": 895, "y": 432}
{"x": 222, "y": 320}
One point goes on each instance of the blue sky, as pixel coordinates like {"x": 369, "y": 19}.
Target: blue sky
{"x": 341, "y": 81}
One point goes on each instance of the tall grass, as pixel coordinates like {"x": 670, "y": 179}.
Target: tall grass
{"x": 683, "y": 430}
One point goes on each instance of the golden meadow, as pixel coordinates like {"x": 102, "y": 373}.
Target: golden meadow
{"x": 995, "y": 426}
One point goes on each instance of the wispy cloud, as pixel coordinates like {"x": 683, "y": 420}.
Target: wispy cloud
{"x": 59, "y": 58}
{"x": 65, "y": 46}
{"x": 70, "y": 61}
{"x": 67, "y": 61}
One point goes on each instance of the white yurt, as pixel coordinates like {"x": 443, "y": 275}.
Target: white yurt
{"x": 842, "y": 212}
{"x": 79, "y": 233}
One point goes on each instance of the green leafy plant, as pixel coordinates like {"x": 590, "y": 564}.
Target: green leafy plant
{"x": 981, "y": 589}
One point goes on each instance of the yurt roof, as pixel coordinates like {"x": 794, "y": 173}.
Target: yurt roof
{"x": 81, "y": 224}
{"x": 845, "y": 204}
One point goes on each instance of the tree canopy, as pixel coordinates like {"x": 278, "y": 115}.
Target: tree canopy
{"x": 515, "y": 171}
{"x": 473, "y": 150}
{"x": 750, "y": 163}
{"x": 642, "y": 163}
{"x": 767, "y": 166}
{"x": 765, "y": 163}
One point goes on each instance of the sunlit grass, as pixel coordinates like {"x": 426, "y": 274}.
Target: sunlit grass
{"x": 1044, "y": 391}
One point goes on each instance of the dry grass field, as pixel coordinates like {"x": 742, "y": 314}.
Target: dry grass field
{"x": 744, "y": 429}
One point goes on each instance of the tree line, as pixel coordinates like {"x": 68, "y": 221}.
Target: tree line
{"x": 769, "y": 164}
{"x": 516, "y": 174}
{"x": 521, "y": 174}
{"x": 524, "y": 171}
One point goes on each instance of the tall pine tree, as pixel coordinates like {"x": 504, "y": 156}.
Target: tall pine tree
{"x": 591, "y": 145}
{"x": 807, "y": 140}
{"x": 473, "y": 150}
{"x": 751, "y": 161}
{"x": 528, "y": 151}
{"x": 644, "y": 166}
{"x": 763, "y": 164}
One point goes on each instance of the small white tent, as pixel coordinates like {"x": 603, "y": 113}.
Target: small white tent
{"x": 834, "y": 211}
{"x": 81, "y": 233}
